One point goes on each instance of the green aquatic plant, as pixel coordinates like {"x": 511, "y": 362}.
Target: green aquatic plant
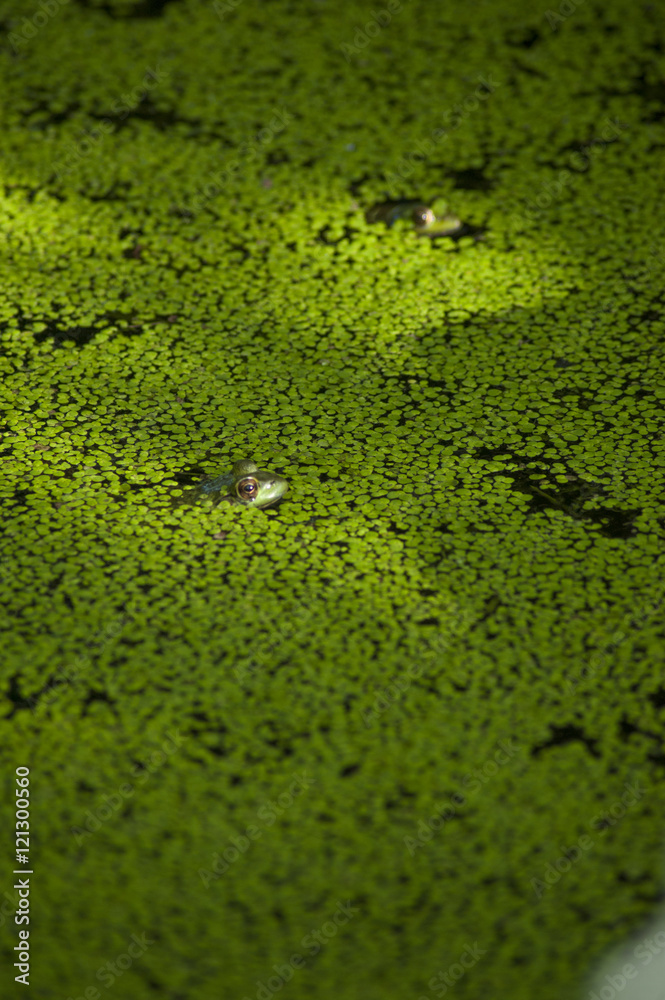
{"x": 415, "y": 691}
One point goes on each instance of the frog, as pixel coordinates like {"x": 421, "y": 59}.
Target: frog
{"x": 426, "y": 222}
{"x": 246, "y": 486}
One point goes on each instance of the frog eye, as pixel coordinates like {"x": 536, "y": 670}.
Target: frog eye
{"x": 247, "y": 489}
{"x": 423, "y": 216}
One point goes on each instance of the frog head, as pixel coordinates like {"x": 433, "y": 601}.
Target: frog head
{"x": 437, "y": 220}
{"x": 254, "y": 487}
{"x": 434, "y": 220}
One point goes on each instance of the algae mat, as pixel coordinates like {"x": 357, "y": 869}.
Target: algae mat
{"x": 400, "y": 735}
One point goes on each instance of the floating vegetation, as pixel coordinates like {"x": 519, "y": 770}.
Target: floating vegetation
{"x": 393, "y": 718}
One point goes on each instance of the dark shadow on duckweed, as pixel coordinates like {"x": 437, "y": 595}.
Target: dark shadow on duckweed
{"x": 141, "y": 10}
{"x": 568, "y": 497}
{"x": 562, "y": 736}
